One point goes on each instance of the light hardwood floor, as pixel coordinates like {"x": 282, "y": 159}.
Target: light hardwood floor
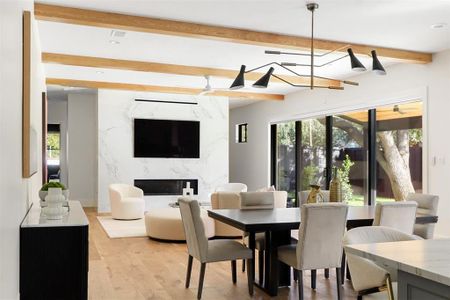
{"x": 140, "y": 268}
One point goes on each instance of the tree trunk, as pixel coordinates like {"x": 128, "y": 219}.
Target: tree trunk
{"x": 394, "y": 159}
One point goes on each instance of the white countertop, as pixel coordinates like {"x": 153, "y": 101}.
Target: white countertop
{"x": 429, "y": 259}
{"x": 75, "y": 217}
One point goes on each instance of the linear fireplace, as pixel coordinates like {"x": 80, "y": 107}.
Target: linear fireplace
{"x": 165, "y": 187}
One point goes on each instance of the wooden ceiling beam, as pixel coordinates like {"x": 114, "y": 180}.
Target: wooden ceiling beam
{"x": 158, "y": 89}
{"x": 178, "y": 28}
{"x": 132, "y": 65}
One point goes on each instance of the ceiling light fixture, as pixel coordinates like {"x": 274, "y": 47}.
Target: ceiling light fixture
{"x": 263, "y": 82}
{"x": 114, "y": 42}
{"x": 439, "y": 25}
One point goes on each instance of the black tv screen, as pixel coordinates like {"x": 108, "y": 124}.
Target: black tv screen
{"x": 166, "y": 138}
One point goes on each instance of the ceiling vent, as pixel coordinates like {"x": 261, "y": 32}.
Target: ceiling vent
{"x": 118, "y": 33}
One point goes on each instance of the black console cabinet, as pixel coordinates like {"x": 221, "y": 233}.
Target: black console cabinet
{"x": 54, "y": 255}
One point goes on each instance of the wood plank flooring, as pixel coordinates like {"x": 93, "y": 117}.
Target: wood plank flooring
{"x": 140, "y": 268}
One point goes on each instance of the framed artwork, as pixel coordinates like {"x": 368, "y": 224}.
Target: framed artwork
{"x": 29, "y": 134}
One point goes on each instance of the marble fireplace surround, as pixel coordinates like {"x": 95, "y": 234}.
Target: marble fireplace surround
{"x": 116, "y": 164}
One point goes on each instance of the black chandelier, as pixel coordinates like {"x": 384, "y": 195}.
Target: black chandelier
{"x": 263, "y": 82}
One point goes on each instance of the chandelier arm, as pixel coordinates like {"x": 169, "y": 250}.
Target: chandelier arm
{"x": 306, "y": 85}
{"x": 307, "y": 54}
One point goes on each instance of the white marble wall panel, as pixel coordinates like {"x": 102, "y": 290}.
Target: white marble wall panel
{"x": 116, "y": 164}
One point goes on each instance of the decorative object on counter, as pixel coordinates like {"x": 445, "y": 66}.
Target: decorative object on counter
{"x": 315, "y": 195}
{"x": 54, "y": 200}
{"x": 188, "y": 191}
{"x": 335, "y": 187}
{"x": 44, "y": 191}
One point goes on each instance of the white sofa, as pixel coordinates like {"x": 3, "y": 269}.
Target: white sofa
{"x": 127, "y": 202}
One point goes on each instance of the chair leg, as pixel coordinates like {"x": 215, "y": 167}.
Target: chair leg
{"x": 300, "y": 284}
{"x": 327, "y": 273}
{"x": 313, "y": 279}
{"x": 339, "y": 283}
{"x": 261, "y": 266}
{"x": 243, "y": 265}
{"x": 189, "y": 270}
{"x": 359, "y": 297}
{"x": 343, "y": 267}
{"x": 200, "y": 281}
{"x": 250, "y": 276}
{"x": 390, "y": 291}
{"x": 295, "y": 275}
{"x": 233, "y": 270}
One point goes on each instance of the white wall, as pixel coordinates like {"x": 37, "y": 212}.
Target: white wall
{"x": 116, "y": 111}
{"x": 249, "y": 163}
{"x": 57, "y": 114}
{"x": 16, "y": 193}
{"x": 82, "y": 148}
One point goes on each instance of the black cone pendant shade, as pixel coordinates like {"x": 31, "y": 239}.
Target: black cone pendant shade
{"x": 356, "y": 64}
{"x": 263, "y": 82}
{"x": 239, "y": 83}
{"x": 377, "y": 67}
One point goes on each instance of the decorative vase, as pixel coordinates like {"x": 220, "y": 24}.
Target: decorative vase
{"x": 43, "y": 194}
{"x": 315, "y": 195}
{"x": 335, "y": 187}
{"x": 54, "y": 200}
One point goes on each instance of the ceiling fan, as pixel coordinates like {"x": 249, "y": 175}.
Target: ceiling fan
{"x": 208, "y": 89}
{"x": 402, "y": 111}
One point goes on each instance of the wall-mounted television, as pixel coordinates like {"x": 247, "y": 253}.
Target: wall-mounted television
{"x": 166, "y": 138}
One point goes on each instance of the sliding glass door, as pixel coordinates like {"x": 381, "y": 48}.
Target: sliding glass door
{"x": 377, "y": 152}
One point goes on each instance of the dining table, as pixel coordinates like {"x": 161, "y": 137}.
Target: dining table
{"x": 277, "y": 224}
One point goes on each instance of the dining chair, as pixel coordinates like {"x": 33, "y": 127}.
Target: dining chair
{"x": 207, "y": 251}
{"x": 426, "y": 205}
{"x": 225, "y": 200}
{"x": 319, "y": 241}
{"x": 400, "y": 215}
{"x": 367, "y": 276}
{"x": 261, "y": 200}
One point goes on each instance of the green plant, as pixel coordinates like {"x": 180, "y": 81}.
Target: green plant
{"x": 46, "y": 186}
{"x": 343, "y": 174}
{"x": 309, "y": 176}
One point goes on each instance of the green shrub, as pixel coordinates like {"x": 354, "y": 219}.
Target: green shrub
{"x": 343, "y": 174}
{"x": 46, "y": 186}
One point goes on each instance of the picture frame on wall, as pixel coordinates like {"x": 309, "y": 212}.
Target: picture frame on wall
{"x": 29, "y": 134}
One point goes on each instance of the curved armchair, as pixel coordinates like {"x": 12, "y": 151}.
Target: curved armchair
{"x": 368, "y": 277}
{"x": 127, "y": 202}
{"x": 235, "y": 187}
{"x": 427, "y": 205}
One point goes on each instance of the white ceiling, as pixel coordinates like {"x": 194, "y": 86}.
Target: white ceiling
{"x": 398, "y": 24}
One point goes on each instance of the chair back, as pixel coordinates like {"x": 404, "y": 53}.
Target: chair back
{"x": 303, "y": 196}
{"x": 257, "y": 200}
{"x": 235, "y": 187}
{"x": 400, "y": 215}
{"x": 225, "y": 200}
{"x": 365, "y": 273}
{"x": 426, "y": 205}
{"x": 194, "y": 229}
{"x": 124, "y": 190}
{"x": 280, "y": 199}
{"x": 320, "y": 235}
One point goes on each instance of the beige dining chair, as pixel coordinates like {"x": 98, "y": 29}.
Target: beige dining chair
{"x": 225, "y": 200}
{"x": 319, "y": 241}
{"x": 367, "y": 276}
{"x": 207, "y": 251}
{"x": 426, "y": 205}
{"x": 400, "y": 215}
{"x": 261, "y": 200}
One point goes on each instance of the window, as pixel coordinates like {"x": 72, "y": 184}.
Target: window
{"x": 241, "y": 133}
{"x": 378, "y": 153}
{"x": 399, "y": 151}
{"x": 53, "y": 151}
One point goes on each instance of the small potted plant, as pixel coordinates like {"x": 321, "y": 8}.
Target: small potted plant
{"x": 44, "y": 190}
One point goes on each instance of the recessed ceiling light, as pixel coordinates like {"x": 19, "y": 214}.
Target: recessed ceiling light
{"x": 117, "y": 33}
{"x": 99, "y": 72}
{"x": 114, "y": 42}
{"x": 438, "y": 25}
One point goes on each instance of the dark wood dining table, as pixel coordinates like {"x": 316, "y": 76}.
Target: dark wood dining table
{"x": 277, "y": 224}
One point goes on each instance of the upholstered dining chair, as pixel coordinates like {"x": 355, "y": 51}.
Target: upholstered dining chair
{"x": 225, "y": 200}
{"x": 235, "y": 187}
{"x": 427, "y": 205}
{"x": 367, "y": 276}
{"x": 319, "y": 241}
{"x": 127, "y": 202}
{"x": 400, "y": 215}
{"x": 207, "y": 251}
{"x": 262, "y": 200}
